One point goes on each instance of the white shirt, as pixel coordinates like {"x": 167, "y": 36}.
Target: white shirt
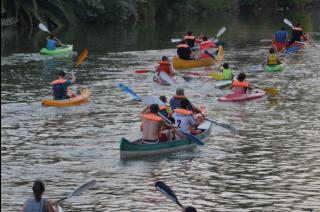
{"x": 184, "y": 121}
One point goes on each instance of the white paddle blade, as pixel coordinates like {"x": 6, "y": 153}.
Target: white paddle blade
{"x": 221, "y": 31}
{"x": 44, "y": 28}
{"x": 166, "y": 78}
{"x": 175, "y": 40}
{"x": 149, "y": 100}
{"x": 82, "y": 187}
{"x": 286, "y": 21}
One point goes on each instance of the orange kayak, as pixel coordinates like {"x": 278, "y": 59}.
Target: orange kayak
{"x": 78, "y": 100}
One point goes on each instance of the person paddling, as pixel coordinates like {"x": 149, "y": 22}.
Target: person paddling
{"x": 206, "y": 45}
{"x": 297, "y": 34}
{"x": 153, "y": 126}
{"x": 240, "y": 85}
{"x": 38, "y": 203}
{"x": 175, "y": 101}
{"x": 272, "y": 58}
{"x": 60, "y": 87}
{"x": 183, "y": 51}
{"x": 190, "y": 39}
{"x": 280, "y": 39}
{"x": 164, "y": 66}
{"x": 52, "y": 42}
{"x": 165, "y": 109}
{"x": 226, "y": 72}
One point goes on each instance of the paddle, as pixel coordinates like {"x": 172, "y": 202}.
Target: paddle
{"x": 211, "y": 55}
{"x": 286, "y": 21}
{"x": 82, "y": 56}
{"x": 269, "y": 90}
{"x": 219, "y": 33}
{"x": 128, "y": 91}
{"x": 187, "y": 79}
{"x": 79, "y": 189}
{"x": 215, "y": 75}
{"x": 166, "y": 190}
{"x": 45, "y": 29}
{"x": 193, "y": 138}
{"x": 226, "y": 126}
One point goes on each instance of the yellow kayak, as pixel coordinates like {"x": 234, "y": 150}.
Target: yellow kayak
{"x": 78, "y": 100}
{"x": 179, "y": 64}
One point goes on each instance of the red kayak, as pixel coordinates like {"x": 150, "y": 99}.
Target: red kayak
{"x": 237, "y": 97}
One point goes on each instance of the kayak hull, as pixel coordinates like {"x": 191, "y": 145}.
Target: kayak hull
{"x": 57, "y": 51}
{"x": 136, "y": 149}
{"x": 156, "y": 79}
{"x": 235, "y": 97}
{"x": 78, "y": 100}
{"x": 180, "y": 64}
{"x": 274, "y": 68}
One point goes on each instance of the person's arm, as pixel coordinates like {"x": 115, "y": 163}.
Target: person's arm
{"x": 58, "y": 42}
{"x": 145, "y": 110}
{"x": 49, "y": 206}
{"x": 194, "y": 108}
{"x": 23, "y": 206}
{"x": 73, "y": 77}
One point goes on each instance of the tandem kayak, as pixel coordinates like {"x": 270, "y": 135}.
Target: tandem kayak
{"x": 180, "y": 64}
{"x": 78, "y": 100}
{"x": 58, "y": 51}
{"x": 236, "y": 97}
{"x": 136, "y": 149}
{"x": 274, "y": 68}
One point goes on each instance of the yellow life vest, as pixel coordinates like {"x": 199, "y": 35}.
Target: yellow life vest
{"x": 272, "y": 59}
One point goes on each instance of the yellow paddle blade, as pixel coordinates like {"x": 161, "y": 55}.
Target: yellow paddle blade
{"x": 215, "y": 75}
{"x": 271, "y": 91}
{"x": 83, "y": 55}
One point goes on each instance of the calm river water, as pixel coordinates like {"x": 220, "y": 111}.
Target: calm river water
{"x": 273, "y": 164}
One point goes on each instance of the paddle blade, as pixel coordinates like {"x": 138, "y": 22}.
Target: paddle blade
{"x": 128, "y": 91}
{"x": 221, "y": 31}
{"x": 166, "y": 190}
{"x": 141, "y": 71}
{"x": 44, "y": 28}
{"x": 83, "y": 187}
{"x": 166, "y": 78}
{"x": 187, "y": 79}
{"x": 211, "y": 55}
{"x": 83, "y": 55}
{"x": 194, "y": 139}
{"x": 286, "y": 21}
{"x": 271, "y": 91}
{"x": 175, "y": 40}
{"x": 215, "y": 75}
{"x": 149, "y": 100}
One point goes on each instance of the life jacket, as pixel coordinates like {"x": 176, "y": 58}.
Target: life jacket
{"x": 281, "y": 36}
{"x": 165, "y": 110}
{"x": 272, "y": 59}
{"x": 204, "y": 45}
{"x": 165, "y": 67}
{"x": 182, "y": 46}
{"x": 237, "y": 83}
{"x": 60, "y": 91}
{"x": 297, "y": 29}
{"x": 183, "y": 111}
{"x": 190, "y": 40}
{"x": 51, "y": 44}
{"x": 227, "y": 74}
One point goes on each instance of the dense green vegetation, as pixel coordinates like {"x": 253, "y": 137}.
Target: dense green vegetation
{"x": 60, "y": 12}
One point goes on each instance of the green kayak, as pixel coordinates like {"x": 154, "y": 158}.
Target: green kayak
{"x": 58, "y": 51}
{"x": 136, "y": 149}
{"x": 274, "y": 68}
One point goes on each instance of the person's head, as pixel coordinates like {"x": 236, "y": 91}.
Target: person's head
{"x": 165, "y": 58}
{"x": 62, "y": 74}
{"x": 183, "y": 41}
{"x": 272, "y": 51}
{"x": 189, "y": 33}
{"x": 241, "y": 77}
{"x": 154, "y": 108}
{"x": 38, "y": 189}
{"x": 204, "y": 38}
{"x": 180, "y": 92}
{"x": 163, "y": 99}
{"x": 189, "y": 209}
{"x": 184, "y": 103}
{"x": 283, "y": 29}
{"x": 225, "y": 65}
{"x": 298, "y": 25}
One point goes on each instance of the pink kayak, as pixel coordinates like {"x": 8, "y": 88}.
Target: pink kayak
{"x": 236, "y": 97}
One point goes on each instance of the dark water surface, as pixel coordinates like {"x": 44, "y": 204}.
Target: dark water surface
{"x": 272, "y": 165}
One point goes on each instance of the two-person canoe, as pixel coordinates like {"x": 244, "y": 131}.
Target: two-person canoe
{"x": 236, "y": 97}
{"x": 136, "y": 149}
{"x": 58, "y": 51}
{"x": 274, "y": 68}
{"x": 180, "y": 64}
{"x": 78, "y": 100}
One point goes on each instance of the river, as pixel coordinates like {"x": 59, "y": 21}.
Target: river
{"x": 273, "y": 164}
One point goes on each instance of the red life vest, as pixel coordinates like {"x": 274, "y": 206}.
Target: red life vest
{"x": 189, "y": 37}
{"x": 182, "y": 46}
{"x": 237, "y": 83}
{"x": 58, "y": 81}
{"x": 165, "y": 67}
{"x": 206, "y": 45}
{"x": 183, "y": 111}
{"x": 297, "y": 29}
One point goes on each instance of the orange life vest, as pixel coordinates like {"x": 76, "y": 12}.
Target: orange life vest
{"x": 237, "y": 83}
{"x": 152, "y": 117}
{"x": 182, "y": 46}
{"x": 165, "y": 67}
{"x": 189, "y": 37}
{"x": 179, "y": 97}
{"x": 58, "y": 81}
{"x": 297, "y": 28}
{"x": 183, "y": 111}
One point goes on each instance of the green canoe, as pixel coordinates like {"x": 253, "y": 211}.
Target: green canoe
{"x": 137, "y": 149}
{"x": 274, "y": 68}
{"x": 58, "y": 51}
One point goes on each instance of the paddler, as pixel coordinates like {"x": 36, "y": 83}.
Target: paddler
{"x": 165, "y": 66}
{"x": 184, "y": 118}
{"x": 38, "y": 203}
{"x": 52, "y": 42}
{"x": 165, "y": 109}
{"x": 297, "y": 34}
{"x": 153, "y": 125}
{"x": 281, "y": 38}
{"x": 240, "y": 85}
{"x": 226, "y": 72}
{"x": 60, "y": 87}
{"x": 183, "y": 51}
{"x": 273, "y": 59}
{"x": 190, "y": 39}
{"x": 206, "y": 45}
{"x": 175, "y": 101}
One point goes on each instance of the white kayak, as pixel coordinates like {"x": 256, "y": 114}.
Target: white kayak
{"x": 222, "y": 84}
